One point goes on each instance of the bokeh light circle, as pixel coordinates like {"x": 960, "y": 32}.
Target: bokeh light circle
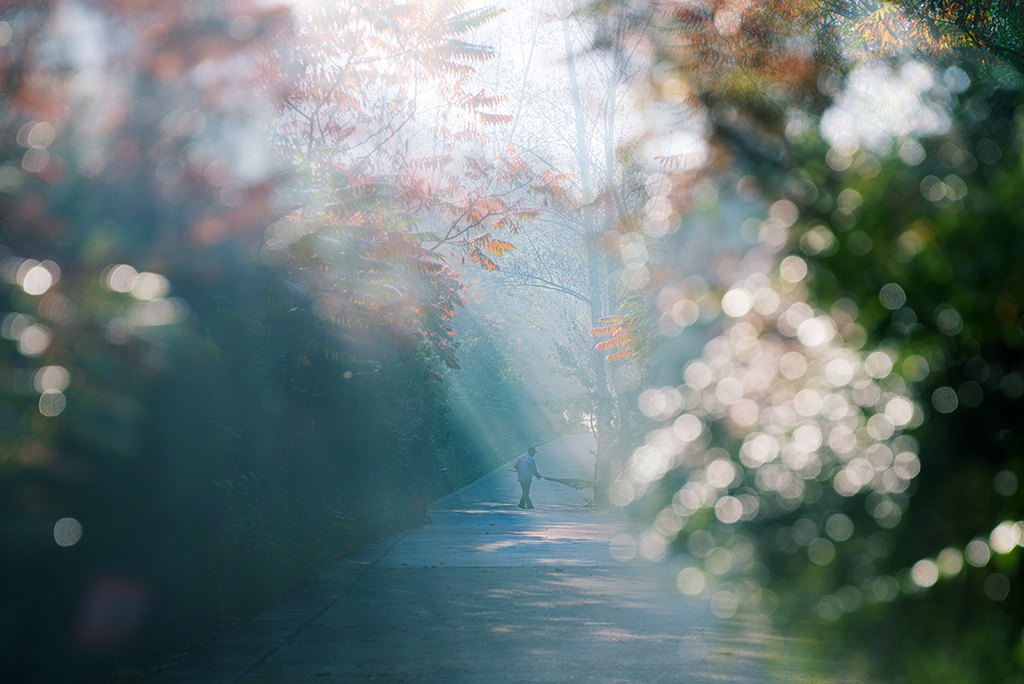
{"x": 997, "y": 586}
{"x": 37, "y": 281}
{"x": 55, "y": 378}
{"x": 67, "y": 532}
{"x": 52, "y": 403}
{"x": 892, "y": 296}
{"x": 830, "y": 608}
{"x": 978, "y": 553}
{"x": 925, "y": 573}
{"x": 944, "y": 400}
{"x": 950, "y": 561}
{"x": 34, "y": 340}
{"x": 691, "y": 581}
{"x": 623, "y": 547}
{"x": 729, "y": 509}
{"x": 724, "y": 604}
{"x": 839, "y": 527}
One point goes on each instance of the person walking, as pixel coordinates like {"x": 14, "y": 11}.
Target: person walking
{"x": 526, "y": 469}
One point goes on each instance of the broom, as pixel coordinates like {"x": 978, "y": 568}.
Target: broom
{"x": 573, "y": 482}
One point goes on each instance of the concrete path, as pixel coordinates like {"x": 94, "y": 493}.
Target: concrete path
{"x": 488, "y": 592}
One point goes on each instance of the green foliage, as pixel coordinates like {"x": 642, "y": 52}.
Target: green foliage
{"x": 203, "y": 405}
{"x": 930, "y": 251}
{"x": 911, "y": 241}
{"x": 913, "y": 251}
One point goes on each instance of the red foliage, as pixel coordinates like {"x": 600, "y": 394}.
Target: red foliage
{"x": 393, "y": 192}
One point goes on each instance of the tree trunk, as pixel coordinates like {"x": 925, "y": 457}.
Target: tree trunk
{"x": 596, "y": 285}
{"x": 602, "y": 397}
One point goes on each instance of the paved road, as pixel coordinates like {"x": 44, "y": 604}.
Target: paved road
{"x": 488, "y": 592}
